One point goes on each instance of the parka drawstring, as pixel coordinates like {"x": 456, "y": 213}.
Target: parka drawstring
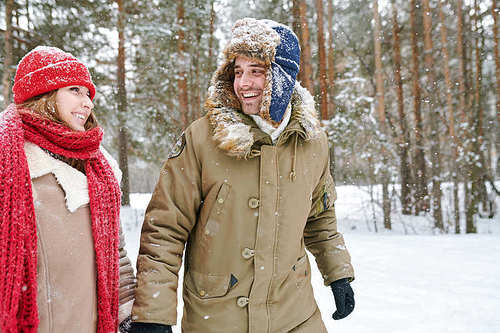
{"x": 293, "y": 175}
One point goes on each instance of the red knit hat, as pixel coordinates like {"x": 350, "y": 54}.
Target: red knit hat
{"x": 45, "y": 69}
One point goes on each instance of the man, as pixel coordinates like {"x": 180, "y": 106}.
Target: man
{"x": 246, "y": 190}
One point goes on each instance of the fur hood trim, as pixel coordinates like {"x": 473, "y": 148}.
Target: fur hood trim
{"x": 233, "y": 134}
{"x": 72, "y": 181}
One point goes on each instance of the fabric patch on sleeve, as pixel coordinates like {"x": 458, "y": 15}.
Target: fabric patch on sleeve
{"x": 330, "y": 195}
{"x": 178, "y": 147}
{"x": 326, "y": 197}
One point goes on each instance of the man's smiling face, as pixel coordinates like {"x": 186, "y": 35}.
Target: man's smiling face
{"x": 249, "y": 83}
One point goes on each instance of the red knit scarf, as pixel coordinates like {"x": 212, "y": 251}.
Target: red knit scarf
{"x": 18, "y": 238}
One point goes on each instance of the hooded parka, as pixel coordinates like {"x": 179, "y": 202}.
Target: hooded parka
{"x": 244, "y": 205}
{"x": 246, "y": 210}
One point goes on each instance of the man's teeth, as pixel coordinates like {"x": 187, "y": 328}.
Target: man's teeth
{"x": 249, "y": 95}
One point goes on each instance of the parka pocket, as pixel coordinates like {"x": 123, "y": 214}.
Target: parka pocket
{"x": 206, "y": 286}
{"x": 221, "y": 198}
{"x": 211, "y": 224}
{"x": 300, "y": 271}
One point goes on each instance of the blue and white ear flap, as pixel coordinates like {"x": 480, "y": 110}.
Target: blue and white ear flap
{"x": 285, "y": 68}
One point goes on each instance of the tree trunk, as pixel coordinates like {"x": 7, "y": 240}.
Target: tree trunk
{"x": 379, "y": 71}
{"x": 476, "y": 165}
{"x": 28, "y": 18}
{"x": 404, "y": 141}
{"x": 451, "y": 115}
{"x": 456, "y": 210}
{"x": 478, "y": 80}
{"x": 447, "y": 78}
{"x": 497, "y": 57}
{"x": 211, "y": 59}
{"x": 331, "y": 62}
{"x": 479, "y": 97}
{"x": 461, "y": 97}
{"x": 306, "y": 67}
{"x": 9, "y": 7}
{"x": 494, "y": 13}
{"x": 182, "y": 80}
{"x": 372, "y": 180}
{"x": 196, "y": 66}
{"x": 379, "y": 79}
{"x": 331, "y": 80}
{"x": 122, "y": 106}
{"x": 323, "y": 90}
{"x": 469, "y": 62}
{"x": 470, "y": 227}
{"x": 421, "y": 194}
{"x": 434, "y": 117}
{"x": 297, "y": 28}
{"x": 461, "y": 63}
{"x": 296, "y": 21}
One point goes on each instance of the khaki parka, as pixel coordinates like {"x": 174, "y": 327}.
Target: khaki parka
{"x": 245, "y": 210}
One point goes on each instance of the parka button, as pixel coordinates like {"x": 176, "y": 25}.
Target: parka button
{"x": 253, "y": 203}
{"x": 247, "y": 253}
{"x": 242, "y": 301}
{"x": 220, "y": 200}
{"x": 202, "y": 293}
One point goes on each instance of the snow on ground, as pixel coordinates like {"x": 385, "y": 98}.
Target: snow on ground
{"x": 411, "y": 279}
{"x": 420, "y": 284}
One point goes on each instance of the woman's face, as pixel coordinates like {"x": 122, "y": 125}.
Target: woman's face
{"x": 74, "y": 106}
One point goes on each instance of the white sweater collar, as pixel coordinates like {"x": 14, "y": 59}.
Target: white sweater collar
{"x": 269, "y": 129}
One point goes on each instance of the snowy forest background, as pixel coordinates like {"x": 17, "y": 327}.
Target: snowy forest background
{"x": 408, "y": 90}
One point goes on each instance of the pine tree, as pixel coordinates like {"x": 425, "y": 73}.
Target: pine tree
{"x": 122, "y": 106}
{"x": 433, "y": 111}
{"x": 421, "y": 194}
{"x": 305, "y": 74}
{"x": 403, "y": 141}
{"x": 451, "y": 115}
{"x": 322, "y": 67}
{"x": 379, "y": 78}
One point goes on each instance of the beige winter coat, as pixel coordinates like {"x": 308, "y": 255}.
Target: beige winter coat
{"x": 66, "y": 273}
{"x": 246, "y": 210}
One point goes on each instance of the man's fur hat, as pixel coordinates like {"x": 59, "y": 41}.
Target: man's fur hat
{"x": 278, "y": 48}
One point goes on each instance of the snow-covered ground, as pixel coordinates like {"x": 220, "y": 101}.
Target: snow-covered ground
{"x": 411, "y": 279}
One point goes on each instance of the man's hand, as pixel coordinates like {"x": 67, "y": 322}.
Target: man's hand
{"x": 344, "y": 298}
{"x": 149, "y": 328}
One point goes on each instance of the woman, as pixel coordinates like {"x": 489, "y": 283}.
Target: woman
{"x": 62, "y": 263}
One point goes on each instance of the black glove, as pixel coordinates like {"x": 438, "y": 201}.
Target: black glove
{"x": 149, "y": 328}
{"x": 124, "y": 326}
{"x": 344, "y": 298}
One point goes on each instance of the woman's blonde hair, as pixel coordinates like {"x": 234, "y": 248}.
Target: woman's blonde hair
{"x": 45, "y": 106}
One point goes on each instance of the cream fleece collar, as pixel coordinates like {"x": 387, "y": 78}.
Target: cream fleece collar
{"x": 72, "y": 181}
